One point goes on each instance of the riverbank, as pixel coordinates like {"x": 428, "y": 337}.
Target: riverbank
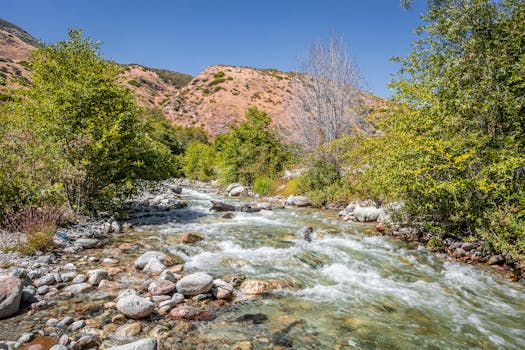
{"x": 259, "y": 284}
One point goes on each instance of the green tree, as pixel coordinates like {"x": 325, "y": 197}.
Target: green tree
{"x": 251, "y": 149}
{"x": 453, "y": 149}
{"x": 92, "y": 123}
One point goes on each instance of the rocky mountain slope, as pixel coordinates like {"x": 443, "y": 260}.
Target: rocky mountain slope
{"x": 153, "y": 87}
{"x": 217, "y": 97}
{"x": 220, "y": 95}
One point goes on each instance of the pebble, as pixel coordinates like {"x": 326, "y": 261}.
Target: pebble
{"x": 66, "y": 321}
{"x": 134, "y": 306}
{"x": 63, "y": 340}
{"x": 161, "y": 287}
{"x": 129, "y": 330}
{"x": 194, "y": 284}
{"x": 77, "y": 325}
{"x": 143, "y": 344}
{"x": 95, "y": 276}
{"x": 79, "y": 279}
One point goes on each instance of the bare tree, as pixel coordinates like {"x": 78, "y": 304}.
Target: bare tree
{"x": 326, "y": 95}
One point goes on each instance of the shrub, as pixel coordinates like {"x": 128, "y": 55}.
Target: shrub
{"x": 290, "y": 188}
{"x": 263, "y": 185}
{"x": 199, "y": 161}
{"x": 251, "y": 149}
{"x": 38, "y": 225}
{"x": 219, "y": 74}
{"x": 134, "y": 83}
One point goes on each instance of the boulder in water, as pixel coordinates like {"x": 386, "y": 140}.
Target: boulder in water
{"x": 298, "y": 201}
{"x": 134, "y": 306}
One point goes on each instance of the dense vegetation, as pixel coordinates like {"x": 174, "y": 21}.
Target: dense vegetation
{"x": 453, "y": 145}
{"x": 250, "y": 152}
{"x": 75, "y": 139}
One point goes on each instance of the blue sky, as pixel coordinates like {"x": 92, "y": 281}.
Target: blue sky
{"x": 190, "y": 35}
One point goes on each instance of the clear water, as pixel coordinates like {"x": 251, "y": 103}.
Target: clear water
{"x": 348, "y": 289}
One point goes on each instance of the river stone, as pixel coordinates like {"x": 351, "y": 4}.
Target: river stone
{"x": 58, "y": 347}
{"x": 239, "y": 191}
{"x": 68, "y": 276}
{"x": 143, "y": 344}
{"x": 154, "y": 265}
{"x": 232, "y": 186}
{"x": 298, "y": 201}
{"x": 254, "y": 287}
{"x": 79, "y": 279}
{"x": 143, "y": 260}
{"x": 46, "y": 280}
{"x": 77, "y": 288}
{"x": 126, "y": 293}
{"x": 95, "y": 276}
{"x": 161, "y": 287}
{"x": 135, "y": 307}
{"x": 191, "y": 237}
{"x": 86, "y": 243}
{"x": 264, "y": 206}
{"x": 129, "y": 330}
{"x": 366, "y": 214}
{"x": 186, "y": 312}
{"x": 168, "y": 275}
{"x": 196, "y": 283}
{"x": 10, "y": 295}
{"x": 221, "y": 289}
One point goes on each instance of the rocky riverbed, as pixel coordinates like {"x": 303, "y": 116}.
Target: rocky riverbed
{"x": 177, "y": 276}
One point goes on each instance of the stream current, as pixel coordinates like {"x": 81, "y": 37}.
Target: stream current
{"x": 347, "y": 289}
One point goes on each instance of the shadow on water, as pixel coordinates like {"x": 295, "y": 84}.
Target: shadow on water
{"x": 184, "y": 215}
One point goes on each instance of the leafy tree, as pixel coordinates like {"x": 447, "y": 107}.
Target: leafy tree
{"x": 453, "y": 149}
{"x": 91, "y": 123}
{"x": 251, "y": 149}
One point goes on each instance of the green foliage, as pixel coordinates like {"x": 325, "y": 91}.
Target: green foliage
{"x": 75, "y": 133}
{"x": 452, "y": 148}
{"x": 134, "y": 83}
{"x": 251, "y": 149}
{"x": 263, "y": 185}
{"x": 199, "y": 161}
{"x": 175, "y": 78}
{"x": 219, "y": 74}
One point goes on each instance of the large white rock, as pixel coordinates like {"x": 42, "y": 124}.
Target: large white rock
{"x": 366, "y": 214}
{"x": 10, "y": 295}
{"x": 134, "y": 306}
{"x": 298, "y": 201}
{"x": 239, "y": 191}
{"x": 232, "y": 186}
{"x": 196, "y": 283}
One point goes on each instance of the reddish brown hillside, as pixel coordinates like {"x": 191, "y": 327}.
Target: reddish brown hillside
{"x": 220, "y": 95}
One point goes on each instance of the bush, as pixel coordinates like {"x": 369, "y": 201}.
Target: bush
{"x": 251, "y": 149}
{"x": 219, "y": 74}
{"x": 135, "y": 83}
{"x": 38, "y": 225}
{"x": 263, "y": 185}
{"x": 199, "y": 161}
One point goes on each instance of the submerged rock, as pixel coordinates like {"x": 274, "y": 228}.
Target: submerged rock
{"x": 254, "y": 287}
{"x": 10, "y": 295}
{"x": 196, "y": 283}
{"x": 191, "y": 237}
{"x": 187, "y": 312}
{"x": 161, "y": 287}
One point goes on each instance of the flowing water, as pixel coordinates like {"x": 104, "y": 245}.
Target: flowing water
{"x": 347, "y": 289}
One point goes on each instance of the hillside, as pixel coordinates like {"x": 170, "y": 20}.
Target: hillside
{"x": 152, "y": 87}
{"x": 220, "y": 95}
{"x": 217, "y": 97}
